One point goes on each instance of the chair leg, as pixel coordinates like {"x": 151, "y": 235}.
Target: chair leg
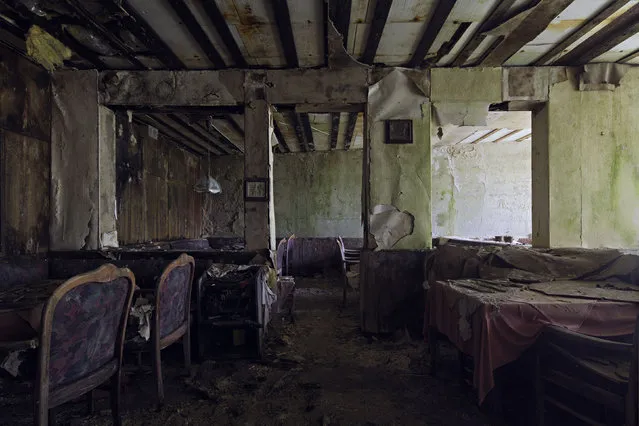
{"x": 186, "y": 343}
{"x": 539, "y": 392}
{"x": 116, "y": 389}
{"x": 52, "y": 417}
{"x": 432, "y": 346}
{"x": 157, "y": 369}
{"x": 91, "y": 401}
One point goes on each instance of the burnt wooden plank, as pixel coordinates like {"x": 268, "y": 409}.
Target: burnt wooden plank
{"x": 308, "y": 131}
{"x": 433, "y": 27}
{"x": 447, "y": 46}
{"x": 280, "y": 137}
{"x": 496, "y": 15}
{"x": 619, "y": 30}
{"x": 130, "y": 20}
{"x": 581, "y": 31}
{"x": 25, "y": 97}
{"x": 350, "y": 129}
{"x": 218, "y": 136}
{"x": 285, "y": 29}
{"x": 222, "y": 28}
{"x": 184, "y": 13}
{"x": 104, "y": 33}
{"x": 335, "y": 116}
{"x": 171, "y": 134}
{"x": 380, "y": 15}
{"x": 529, "y": 28}
{"x": 24, "y": 180}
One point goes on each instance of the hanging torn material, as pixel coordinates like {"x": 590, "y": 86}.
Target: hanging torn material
{"x": 389, "y": 225}
{"x": 45, "y": 49}
{"x": 398, "y": 95}
{"x": 602, "y": 76}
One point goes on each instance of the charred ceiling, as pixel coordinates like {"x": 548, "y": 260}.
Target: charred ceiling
{"x": 217, "y": 34}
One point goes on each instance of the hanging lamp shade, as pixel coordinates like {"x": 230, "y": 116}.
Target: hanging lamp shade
{"x": 208, "y": 184}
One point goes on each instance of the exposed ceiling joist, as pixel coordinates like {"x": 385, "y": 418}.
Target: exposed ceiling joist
{"x": 171, "y": 134}
{"x": 187, "y": 133}
{"x": 285, "y": 28}
{"x": 528, "y": 29}
{"x": 199, "y": 132}
{"x": 506, "y": 136}
{"x": 350, "y": 130}
{"x": 340, "y": 14}
{"x": 308, "y": 131}
{"x": 104, "y": 33}
{"x": 587, "y": 26}
{"x": 131, "y": 21}
{"x": 380, "y": 15}
{"x": 335, "y": 116}
{"x": 299, "y": 130}
{"x": 217, "y": 18}
{"x": 193, "y": 26}
{"x": 433, "y": 27}
{"x": 523, "y": 138}
{"x": 448, "y": 46}
{"x": 485, "y": 136}
{"x": 496, "y": 15}
{"x": 280, "y": 138}
{"x": 608, "y": 37}
{"x": 215, "y": 136}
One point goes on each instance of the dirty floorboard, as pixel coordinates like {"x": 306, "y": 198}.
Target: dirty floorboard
{"x": 318, "y": 371}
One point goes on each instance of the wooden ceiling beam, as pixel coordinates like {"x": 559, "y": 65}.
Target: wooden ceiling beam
{"x": 529, "y": 28}
{"x": 433, "y": 27}
{"x": 222, "y": 28}
{"x": 350, "y": 130}
{"x": 130, "y": 20}
{"x": 280, "y": 138}
{"x": 485, "y": 136}
{"x": 335, "y": 116}
{"x": 104, "y": 33}
{"x": 380, "y": 15}
{"x": 308, "y": 131}
{"x": 299, "y": 130}
{"x": 172, "y": 134}
{"x": 193, "y": 26}
{"x": 497, "y": 14}
{"x": 339, "y": 12}
{"x": 507, "y": 135}
{"x": 619, "y": 30}
{"x": 201, "y": 134}
{"x": 584, "y": 29}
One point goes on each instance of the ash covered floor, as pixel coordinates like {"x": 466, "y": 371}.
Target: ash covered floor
{"x": 318, "y": 371}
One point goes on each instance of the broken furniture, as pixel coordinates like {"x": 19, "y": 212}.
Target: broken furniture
{"x": 233, "y": 305}
{"x": 601, "y": 373}
{"x": 348, "y": 257}
{"x": 81, "y": 339}
{"x": 171, "y": 317}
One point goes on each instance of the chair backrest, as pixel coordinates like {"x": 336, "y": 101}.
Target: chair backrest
{"x": 290, "y": 246}
{"x": 83, "y": 325}
{"x": 281, "y": 257}
{"x": 173, "y": 296}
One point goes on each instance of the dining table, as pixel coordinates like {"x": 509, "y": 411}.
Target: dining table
{"x": 496, "y": 321}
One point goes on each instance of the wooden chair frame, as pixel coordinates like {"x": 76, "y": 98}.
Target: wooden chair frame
{"x": 45, "y": 398}
{"x": 182, "y": 332}
{"x": 594, "y": 386}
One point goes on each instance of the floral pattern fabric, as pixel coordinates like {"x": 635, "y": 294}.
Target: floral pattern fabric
{"x": 85, "y": 327}
{"x": 173, "y": 300}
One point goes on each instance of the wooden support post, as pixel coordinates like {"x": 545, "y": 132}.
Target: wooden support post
{"x": 259, "y": 216}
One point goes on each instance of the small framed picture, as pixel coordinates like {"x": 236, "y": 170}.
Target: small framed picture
{"x": 256, "y": 189}
{"x": 399, "y": 131}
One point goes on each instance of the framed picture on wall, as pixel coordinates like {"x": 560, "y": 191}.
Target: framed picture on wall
{"x": 256, "y": 189}
{"x": 399, "y": 132}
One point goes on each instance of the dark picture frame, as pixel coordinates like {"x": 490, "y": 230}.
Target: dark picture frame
{"x": 399, "y": 132}
{"x": 256, "y": 189}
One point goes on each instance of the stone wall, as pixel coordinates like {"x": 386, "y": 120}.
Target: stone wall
{"x": 482, "y": 190}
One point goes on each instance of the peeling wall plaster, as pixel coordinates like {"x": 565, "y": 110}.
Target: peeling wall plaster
{"x": 482, "y": 190}
{"x": 224, "y": 212}
{"x": 593, "y": 153}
